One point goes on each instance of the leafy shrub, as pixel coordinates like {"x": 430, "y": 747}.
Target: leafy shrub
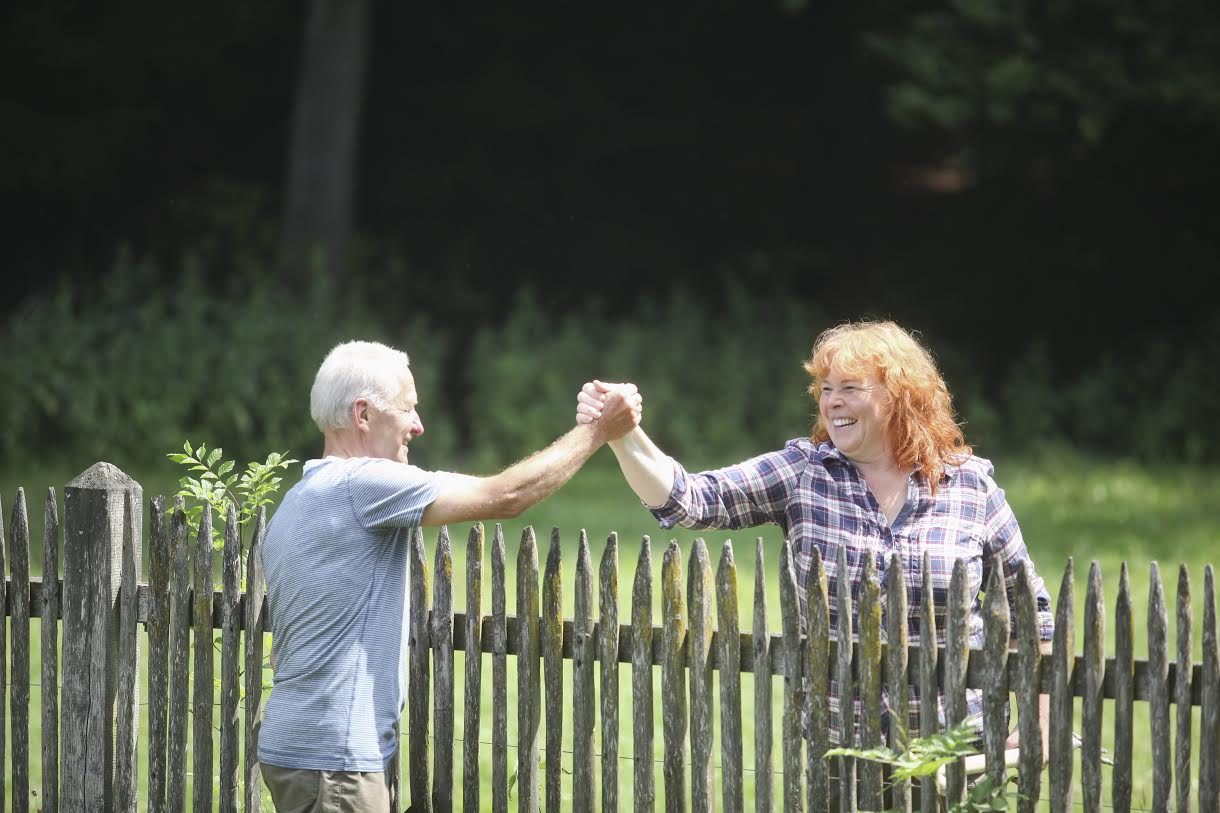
{"x": 148, "y": 355}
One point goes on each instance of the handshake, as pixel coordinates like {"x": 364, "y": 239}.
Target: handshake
{"x": 616, "y": 408}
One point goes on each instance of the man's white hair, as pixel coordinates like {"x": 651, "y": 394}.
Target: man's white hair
{"x": 352, "y": 370}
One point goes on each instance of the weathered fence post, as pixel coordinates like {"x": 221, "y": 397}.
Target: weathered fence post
{"x": 203, "y": 695}
{"x": 794, "y": 695}
{"x": 607, "y": 650}
{"x": 673, "y": 679}
{"x": 1181, "y": 695}
{"x": 254, "y": 665}
{"x": 529, "y": 682}
{"x": 474, "y": 668}
{"x": 896, "y": 664}
{"x": 1158, "y": 701}
{"x": 50, "y": 656}
{"x": 1028, "y": 691}
{"x": 127, "y": 688}
{"x": 699, "y": 648}
{"x": 499, "y": 675}
{"x": 761, "y": 646}
{"x": 420, "y": 676}
{"x": 442, "y": 675}
{"x": 642, "y": 782}
{"x": 1124, "y": 694}
{"x": 818, "y": 666}
{"x": 868, "y": 657}
{"x": 730, "y": 680}
{"x": 229, "y": 658}
{"x": 847, "y": 691}
{"x": 1209, "y": 716}
{"x": 584, "y": 698}
{"x": 158, "y": 652}
{"x": 552, "y": 668}
{"x": 1062, "y": 665}
{"x": 19, "y": 697}
{"x": 93, "y": 551}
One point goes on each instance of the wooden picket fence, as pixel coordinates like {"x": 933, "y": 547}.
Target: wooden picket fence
{"x": 90, "y": 749}
{"x": 687, "y": 648}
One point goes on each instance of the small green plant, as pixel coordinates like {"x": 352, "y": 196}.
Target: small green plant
{"x": 217, "y": 486}
{"x": 924, "y": 756}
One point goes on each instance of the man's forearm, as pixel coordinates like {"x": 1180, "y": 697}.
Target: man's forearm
{"x": 648, "y": 470}
{"x": 530, "y": 481}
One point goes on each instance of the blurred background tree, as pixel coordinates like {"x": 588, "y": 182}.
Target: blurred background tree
{"x": 320, "y": 194}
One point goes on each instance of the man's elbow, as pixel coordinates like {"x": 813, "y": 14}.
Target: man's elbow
{"x": 511, "y": 504}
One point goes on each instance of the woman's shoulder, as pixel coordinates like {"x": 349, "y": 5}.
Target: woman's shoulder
{"x": 972, "y": 468}
{"x": 805, "y": 447}
{"x": 810, "y": 452}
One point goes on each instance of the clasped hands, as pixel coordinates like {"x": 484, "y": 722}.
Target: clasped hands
{"x": 620, "y": 406}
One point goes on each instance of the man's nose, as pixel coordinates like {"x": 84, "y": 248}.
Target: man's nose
{"x": 418, "y": 428}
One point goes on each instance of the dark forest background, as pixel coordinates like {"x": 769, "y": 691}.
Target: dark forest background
{"x": 679, "y": 195}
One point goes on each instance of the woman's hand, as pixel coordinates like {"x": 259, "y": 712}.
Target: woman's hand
{"x": 591, "y": 400}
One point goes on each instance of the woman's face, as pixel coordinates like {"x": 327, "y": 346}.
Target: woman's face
{"x": 856, "y": 412}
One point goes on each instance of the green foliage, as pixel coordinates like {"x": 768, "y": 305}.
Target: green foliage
{"x": 1149, "y": 404}
{"x": 722, "y": 374}
{"x": 125, "y": 369}
{"x": 217, "y": 486}
{"x": 1063, "y": 68}
{"x": 924, "y": 756}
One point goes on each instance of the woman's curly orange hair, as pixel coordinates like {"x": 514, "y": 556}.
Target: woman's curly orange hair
{"x": 922, "y": 431}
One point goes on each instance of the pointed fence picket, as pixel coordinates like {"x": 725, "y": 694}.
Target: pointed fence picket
{"x": 697, "y": 646}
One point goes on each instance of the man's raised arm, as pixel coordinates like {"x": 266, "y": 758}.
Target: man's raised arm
{"x": 530, "y": 481}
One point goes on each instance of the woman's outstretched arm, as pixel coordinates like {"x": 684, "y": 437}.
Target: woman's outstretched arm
{"x": 647, "y": 469}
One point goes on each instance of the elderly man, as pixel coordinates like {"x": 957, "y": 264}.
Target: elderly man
{"x": 336, "y": 554}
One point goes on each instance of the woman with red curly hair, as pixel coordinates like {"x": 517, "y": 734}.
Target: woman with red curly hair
{"x": 885, "y": 470}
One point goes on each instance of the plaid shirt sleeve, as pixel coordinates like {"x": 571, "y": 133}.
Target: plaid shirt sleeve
{"x": 752, "y": 493}
{"x": 1003, "y": 536}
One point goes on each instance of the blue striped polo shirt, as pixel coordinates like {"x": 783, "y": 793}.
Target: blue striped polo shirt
{"x": 335, "y": 557}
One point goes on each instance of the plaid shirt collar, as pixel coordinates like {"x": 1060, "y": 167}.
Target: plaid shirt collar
{"x": 828, "y": 453}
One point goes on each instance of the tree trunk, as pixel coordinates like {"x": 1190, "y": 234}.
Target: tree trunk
{"x": 320, "y": 185}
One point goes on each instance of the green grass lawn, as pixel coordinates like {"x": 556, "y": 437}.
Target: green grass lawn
{"x": 1108, "y": 512}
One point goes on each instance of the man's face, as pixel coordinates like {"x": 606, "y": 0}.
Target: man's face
{"x": 392, "y": 430}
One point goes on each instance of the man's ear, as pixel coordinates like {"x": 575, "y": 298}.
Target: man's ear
{"x": 360, "y": 414}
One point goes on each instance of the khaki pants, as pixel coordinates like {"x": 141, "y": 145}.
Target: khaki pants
{"x": 303, "y": 791}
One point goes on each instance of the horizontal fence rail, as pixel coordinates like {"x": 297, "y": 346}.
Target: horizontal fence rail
{"x": 568, "y": 673}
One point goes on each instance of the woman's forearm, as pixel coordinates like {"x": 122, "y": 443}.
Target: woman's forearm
{"x": 648, "y": 470}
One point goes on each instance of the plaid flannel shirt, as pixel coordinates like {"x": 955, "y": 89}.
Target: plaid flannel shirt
{"x": 820, "y": 500}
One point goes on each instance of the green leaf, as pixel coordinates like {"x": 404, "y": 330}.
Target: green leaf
{"x": 225, "y": 468}
{"x": 214, "y": 456}
{"x": 187, "y": 447}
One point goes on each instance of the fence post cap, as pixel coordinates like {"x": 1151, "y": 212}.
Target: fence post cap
{"x": 103, "y": 475}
